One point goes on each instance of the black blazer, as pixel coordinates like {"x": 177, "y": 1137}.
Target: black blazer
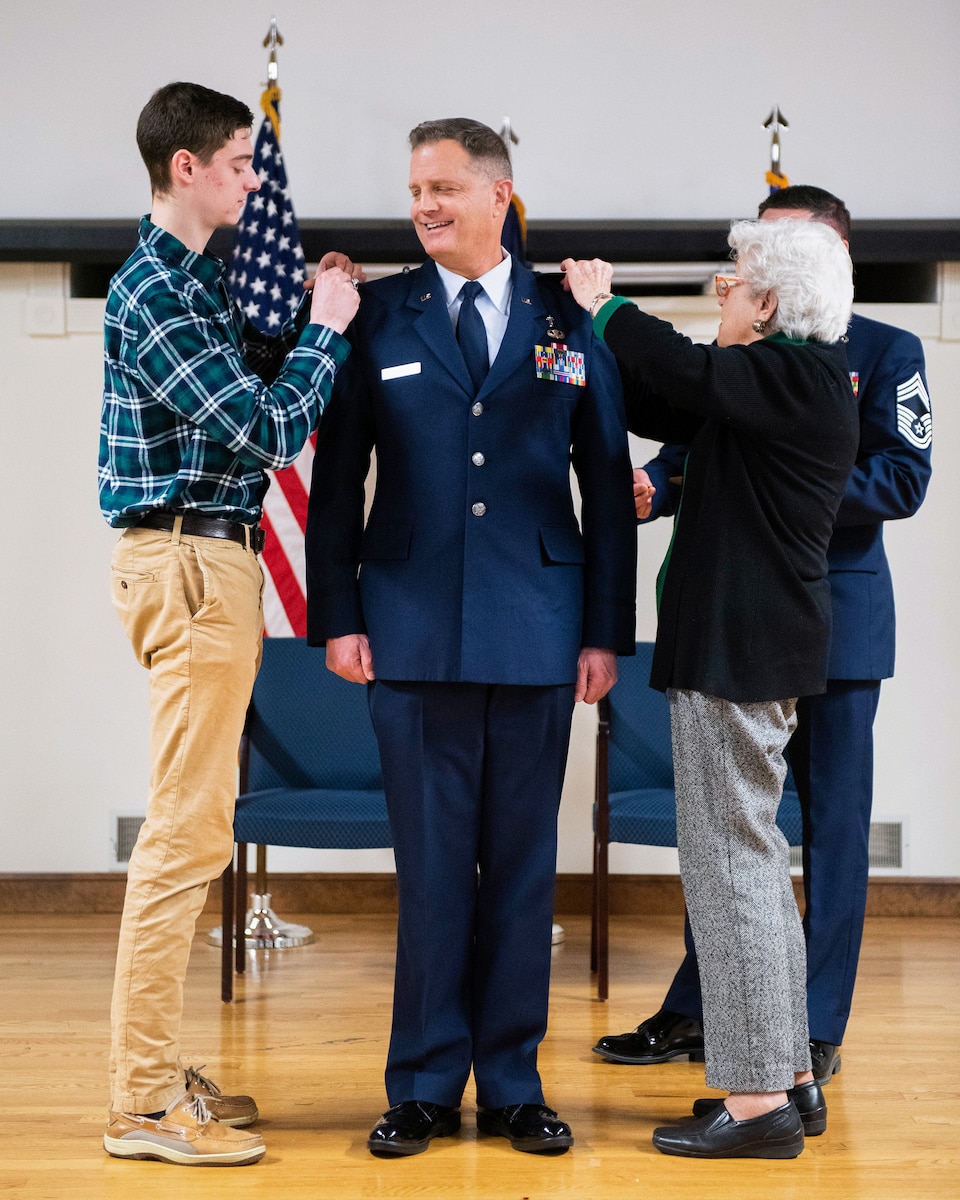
{"x": 773, "y": 430}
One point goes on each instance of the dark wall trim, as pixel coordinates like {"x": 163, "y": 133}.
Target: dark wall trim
{"x": 393, "y": 241}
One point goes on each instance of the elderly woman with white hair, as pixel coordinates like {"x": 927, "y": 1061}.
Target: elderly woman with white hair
{"x": 744, "y": 621}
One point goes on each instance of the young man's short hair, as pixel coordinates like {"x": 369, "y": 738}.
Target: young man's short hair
{"x": 822, "y": 205}
{"x": 485, "y": 147}
{"x": 186, "y": 116}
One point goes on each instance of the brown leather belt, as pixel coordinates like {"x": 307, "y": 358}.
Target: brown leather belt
{"x": 196, "y": 526}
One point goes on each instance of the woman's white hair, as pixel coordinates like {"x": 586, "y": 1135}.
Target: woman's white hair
{"x": 808, "y": 268}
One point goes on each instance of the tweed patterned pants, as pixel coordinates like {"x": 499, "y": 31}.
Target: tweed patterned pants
{"x": 734, "y": 862}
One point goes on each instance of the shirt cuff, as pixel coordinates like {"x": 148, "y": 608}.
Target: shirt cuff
{"x": 606, "y": 311}
{"x": 322, "y": 337}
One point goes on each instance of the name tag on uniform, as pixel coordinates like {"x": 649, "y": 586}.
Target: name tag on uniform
{"x": 399, "y": 372}
{"x": 561, "y": 364}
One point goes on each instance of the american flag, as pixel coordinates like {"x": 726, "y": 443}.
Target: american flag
{"x": 266, "y": 277}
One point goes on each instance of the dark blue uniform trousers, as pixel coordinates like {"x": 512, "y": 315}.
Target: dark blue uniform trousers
{"x": 831, "y": 754}
{"x": 472, "y": 775}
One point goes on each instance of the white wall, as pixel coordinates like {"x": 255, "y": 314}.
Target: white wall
{"x": 625, "y": 108}
{"x": 73, "y": 716}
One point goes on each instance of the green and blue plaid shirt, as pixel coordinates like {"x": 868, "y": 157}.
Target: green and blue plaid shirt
{"x": 197, "y": 404}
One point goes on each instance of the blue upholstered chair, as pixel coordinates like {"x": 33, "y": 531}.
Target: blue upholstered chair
{"x": 309, "y": 773}
{"x": 634, "y": 788}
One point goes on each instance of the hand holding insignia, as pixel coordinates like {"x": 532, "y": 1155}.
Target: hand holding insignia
{"x": 587, "y": 280}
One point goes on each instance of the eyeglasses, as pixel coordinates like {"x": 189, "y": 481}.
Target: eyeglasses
{"x": 723, "y": 284}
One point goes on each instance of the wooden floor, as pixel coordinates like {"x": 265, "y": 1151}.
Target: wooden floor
{"x": 307, "y": 1036}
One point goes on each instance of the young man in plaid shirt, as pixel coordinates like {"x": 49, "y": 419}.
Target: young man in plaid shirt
{"x": 197, "y": 407}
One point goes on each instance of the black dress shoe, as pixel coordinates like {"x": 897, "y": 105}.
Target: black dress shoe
{"x": 530, "y": 1127}
{"x": 807, "y": 1099}
{"x": 408, "y": 1127}
{"x": 825, "y": 1058}
{"x": 776, "y": 1134}
{"x": 661, "y": 1037}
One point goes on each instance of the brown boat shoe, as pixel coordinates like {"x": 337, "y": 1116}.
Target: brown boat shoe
{"x": 186, "y": 1134}
{"x": 228, "y": 1110}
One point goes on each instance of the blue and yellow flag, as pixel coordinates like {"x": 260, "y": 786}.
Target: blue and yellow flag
{"x": 514, "y": 235}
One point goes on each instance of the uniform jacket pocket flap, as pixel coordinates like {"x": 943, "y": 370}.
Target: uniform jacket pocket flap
{"x": 562, "y": 543}
{"x": 385, "y": 541}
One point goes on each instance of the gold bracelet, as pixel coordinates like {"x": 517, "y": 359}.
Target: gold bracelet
{"x": 604, "y": 296}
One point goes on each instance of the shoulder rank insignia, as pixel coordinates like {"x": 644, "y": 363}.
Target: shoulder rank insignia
{"x": 914, "y": 419}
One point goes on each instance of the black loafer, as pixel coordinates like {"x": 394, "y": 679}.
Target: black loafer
{"x": 532, "y": 1128}
{"x": 776, "y": 1134}
{"x": 825, "y": 1058}
{"x": 661, "y": 1037}
{"x": 807, "y": 1099}
{"x": 408, "y": 1127}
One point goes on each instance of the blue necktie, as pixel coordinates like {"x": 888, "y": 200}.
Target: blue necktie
{"x": 472, "y": 334}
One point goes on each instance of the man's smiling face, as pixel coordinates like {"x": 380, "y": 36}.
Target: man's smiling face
{"x": 457, "y": 209}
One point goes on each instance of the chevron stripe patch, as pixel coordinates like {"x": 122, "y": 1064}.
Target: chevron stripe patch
{"x": 914, "y": 418}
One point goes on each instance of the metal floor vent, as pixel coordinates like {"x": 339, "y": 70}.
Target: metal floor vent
{"x": 885, "y": 846}
{"x": 126, "y": 839}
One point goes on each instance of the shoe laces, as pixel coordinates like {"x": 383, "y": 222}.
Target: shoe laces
{"x": 197, "y": 1108}
{"x": 194, "y": 1076}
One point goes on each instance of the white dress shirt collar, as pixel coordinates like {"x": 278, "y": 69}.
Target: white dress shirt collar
{"x": 496, "y": 285}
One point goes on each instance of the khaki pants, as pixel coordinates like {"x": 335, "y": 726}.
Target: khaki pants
{"x": 191, "y": 607}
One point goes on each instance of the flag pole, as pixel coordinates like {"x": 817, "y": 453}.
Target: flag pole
{"x": 263, "y": 929}
{"x": 270, "y": 99}
{"x": 271, "y": 42}
{"x": 507, "y": 132}
{"x": 515, "y": 224}
{"x": 775, "y": 122}
{"x": 515, "y": 240}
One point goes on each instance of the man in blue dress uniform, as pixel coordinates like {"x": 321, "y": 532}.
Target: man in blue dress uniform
{"x": 478, "y": 610}
{"x": 831, "y": 753}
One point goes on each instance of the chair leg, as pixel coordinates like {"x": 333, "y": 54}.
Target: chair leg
{"x": 600, "y": 922}
{"x": 603, "y": 922}
{"x": 594, "y": 894}
{"x": 241, "y": 910}
{"x": 226, "y": 928}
